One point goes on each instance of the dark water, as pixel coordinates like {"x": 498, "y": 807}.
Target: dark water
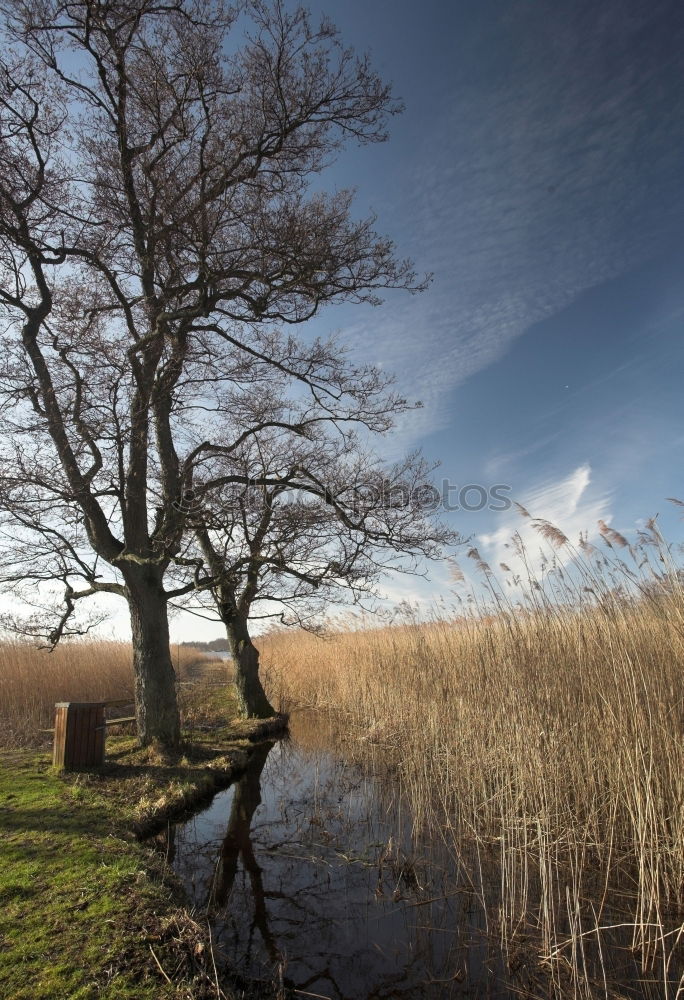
{"x": 311, "y": 877}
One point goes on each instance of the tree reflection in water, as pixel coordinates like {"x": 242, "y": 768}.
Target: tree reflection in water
{"x": 308, "y": 868}
{"x": 237, "y": 844}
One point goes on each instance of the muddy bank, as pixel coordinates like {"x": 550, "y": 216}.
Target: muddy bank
{"x": 194, "y": 777}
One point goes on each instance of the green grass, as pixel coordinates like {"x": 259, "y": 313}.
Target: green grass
{"x": 82, "y": 902}
{"x": 73, "y": 892}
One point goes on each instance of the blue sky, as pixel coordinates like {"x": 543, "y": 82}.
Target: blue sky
{"x": 537, "y": 173}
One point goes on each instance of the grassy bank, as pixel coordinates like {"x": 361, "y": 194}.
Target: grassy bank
{"x": 86, "y": 910}
{"x": 548, "y": 734}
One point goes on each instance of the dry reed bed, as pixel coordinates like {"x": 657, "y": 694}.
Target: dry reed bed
{"x": 33, "y": 679}
{"x": 550, "y": 737}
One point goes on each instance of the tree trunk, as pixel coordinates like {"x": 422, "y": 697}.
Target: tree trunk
{"x": 156, "y": 705}
{"x": 252, "y": 700}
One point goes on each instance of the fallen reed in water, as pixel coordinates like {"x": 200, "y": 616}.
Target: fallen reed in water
{"x": 546, "y": 729}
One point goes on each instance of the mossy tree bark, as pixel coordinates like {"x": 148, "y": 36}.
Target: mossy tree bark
{"x": 252, "y": 699}
{"x": 156, "y": 704}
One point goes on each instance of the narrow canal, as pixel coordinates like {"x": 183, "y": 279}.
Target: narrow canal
{"x": 310, "y": 876}
{"x": 313, "y": 880}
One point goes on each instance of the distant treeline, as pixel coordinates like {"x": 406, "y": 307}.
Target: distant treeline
{"x": 214, "y": 645}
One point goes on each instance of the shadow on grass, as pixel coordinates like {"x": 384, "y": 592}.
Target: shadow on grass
{"x": 167, "y": 785}
{"x": 16, "y": 894}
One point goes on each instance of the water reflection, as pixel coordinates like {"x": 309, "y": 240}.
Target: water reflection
{"x": 237, "y": 846}
{"x": 309, "y": 873}
{"x": 312, "y": 877}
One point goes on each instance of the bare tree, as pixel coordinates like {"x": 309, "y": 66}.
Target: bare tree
{"x": 288, "y": 512}
{"x": 292, "y": 525}
{"x": 156, "y": 223}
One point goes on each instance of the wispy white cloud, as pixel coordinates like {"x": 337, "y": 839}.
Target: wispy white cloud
{"x": 528, "y": 189}
{"x": 422, "y": 593}
{"x": 568, "y": 503}
{"x": 503, "y": 462}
